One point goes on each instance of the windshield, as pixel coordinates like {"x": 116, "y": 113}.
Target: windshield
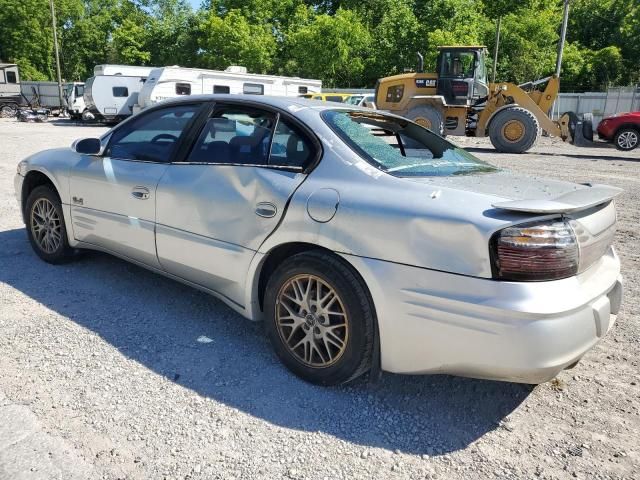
{"x": 354, "y": 99}
{"x": 401, "y": 148}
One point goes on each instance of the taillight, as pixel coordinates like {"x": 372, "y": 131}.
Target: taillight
{"x": 535, "y": 251}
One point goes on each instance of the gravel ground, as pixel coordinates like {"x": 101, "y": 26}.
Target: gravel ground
{"x": 109, "y": 371}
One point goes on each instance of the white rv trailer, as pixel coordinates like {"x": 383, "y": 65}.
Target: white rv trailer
{"x": 111, "y": 98}
{"x": 169, "y": 82}
{"x": 127, "y": 70}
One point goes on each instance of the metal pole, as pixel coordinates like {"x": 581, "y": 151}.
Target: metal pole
{"x": 563, "y": 36}
{"x": 55, "y": 45}
{"x": 495, "y": 52}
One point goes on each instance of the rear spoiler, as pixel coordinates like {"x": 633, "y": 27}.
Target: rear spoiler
{"x": 579, "y": 199}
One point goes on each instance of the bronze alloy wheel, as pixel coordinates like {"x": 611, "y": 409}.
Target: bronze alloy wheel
{"x": 312, "y": 321}
{"x": 45, "y": 225}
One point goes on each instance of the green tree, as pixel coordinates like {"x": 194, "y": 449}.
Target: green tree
{"x": 333, "y": 48}
{"x": 232, "y": 40}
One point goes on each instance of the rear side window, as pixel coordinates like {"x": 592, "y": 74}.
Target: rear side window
{"x": 401, "y": 148}
{"x": 253, "y": 89}
{"x": 120, "y": 91}
{"x": 11, "y": 77}
{"x": 290, "y": 148}
{"x": 221, "y": 89}
{"x": 153, "y": 136}
{"x": 183, "y": 89}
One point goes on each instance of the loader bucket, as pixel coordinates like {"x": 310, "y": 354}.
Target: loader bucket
{"x": 580, "y": 128}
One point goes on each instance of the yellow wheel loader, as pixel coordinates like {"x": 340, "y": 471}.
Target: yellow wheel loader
{"x": 458, "y": 100}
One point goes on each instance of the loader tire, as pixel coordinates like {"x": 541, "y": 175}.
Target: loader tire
{"x": 587, "y": 126}
{"x": 514, "y": 130}
{"x": 429, "y": 117}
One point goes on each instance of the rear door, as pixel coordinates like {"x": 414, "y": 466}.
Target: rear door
{"x": 113, "y": 196}
{"x": 216, "y": 208}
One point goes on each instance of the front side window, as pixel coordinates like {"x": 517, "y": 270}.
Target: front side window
{"x": 11, "y": 77}
{"x": 253, "y": 89}
{"x": 183, "y": 89}
{"x": 120, "y": 92}
{"x": 401, "y": 148}
{"x": 235, "y": 135}
{"x": 79, "y": 90}
{"x": 221, "y": 89}
{"x": 151, "y": 137}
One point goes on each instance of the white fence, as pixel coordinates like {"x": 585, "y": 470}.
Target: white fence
{"x": 600, "y": 104}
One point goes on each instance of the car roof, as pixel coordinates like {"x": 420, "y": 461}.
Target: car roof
{"x": 269, "y": 100}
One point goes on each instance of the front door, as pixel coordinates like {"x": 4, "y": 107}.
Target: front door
{"x": 113, "y": 196}
{"x": 215, "y": 210}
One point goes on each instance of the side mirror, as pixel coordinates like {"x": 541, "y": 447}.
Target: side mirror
{"x": 87, "y": 146}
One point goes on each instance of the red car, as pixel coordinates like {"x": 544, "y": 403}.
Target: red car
{"x": 622, "y": 129}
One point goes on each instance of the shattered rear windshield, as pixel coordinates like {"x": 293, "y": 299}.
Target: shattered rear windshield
{"x": 401, "y": 148}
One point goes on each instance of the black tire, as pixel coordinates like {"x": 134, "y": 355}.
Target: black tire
{"x": 429, "y": 117}
{"x": 8, "y": 110}
{"x": 356, "y": 357}
{"x": 626, "y": 139}
{"x": 525, "y": 124}
{"x": 587, "y": 126}
{"x": 63, "y": 252}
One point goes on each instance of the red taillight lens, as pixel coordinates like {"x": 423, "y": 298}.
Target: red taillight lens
{"x": 535, "y": 251}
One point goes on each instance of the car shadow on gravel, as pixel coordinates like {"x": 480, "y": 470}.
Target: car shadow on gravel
{"x": 562, "y": 154}
{"x": 199, "y": 343}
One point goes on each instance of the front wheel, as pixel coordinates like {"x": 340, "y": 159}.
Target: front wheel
{"x": 46, "y": 229}
{"x": 319, "y": 319}
{"x": 514, "y": 130}
{"x": 626, "y": 139}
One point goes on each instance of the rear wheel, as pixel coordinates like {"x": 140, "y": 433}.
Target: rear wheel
{"x": 8, "y": 110}
{"x": 429, "y": 117}
{"x": 319, "y": 319}
{"x": 45, "y": 226}
{"x": 514, "y": 130}
{"x": 626, "y": 139}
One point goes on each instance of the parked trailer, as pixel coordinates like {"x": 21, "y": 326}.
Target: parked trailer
{"x": 169, "y": 82}
{"x": 43, "y": 94}
{"x": 111, "y": 98}
{"x": 10, "y": 98}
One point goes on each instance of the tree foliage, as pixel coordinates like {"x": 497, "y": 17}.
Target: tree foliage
{"x": 346, "y": 43}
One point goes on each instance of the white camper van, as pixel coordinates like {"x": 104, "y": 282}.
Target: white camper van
{"x": 74, "y": 96}
{"x": 168, "y": 82}
{"x": 111, "y": 98}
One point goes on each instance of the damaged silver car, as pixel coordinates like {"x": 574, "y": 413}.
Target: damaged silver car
{"x": 362, "y": 240}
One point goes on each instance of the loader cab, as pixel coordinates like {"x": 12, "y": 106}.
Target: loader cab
{"x": 462, "y": 74}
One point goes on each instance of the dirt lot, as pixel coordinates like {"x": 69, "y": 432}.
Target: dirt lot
{"x": 109, "y": 371}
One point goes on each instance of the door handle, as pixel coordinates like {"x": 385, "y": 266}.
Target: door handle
{"x": 266, "y": 209}
{"x": 141, "y": 193}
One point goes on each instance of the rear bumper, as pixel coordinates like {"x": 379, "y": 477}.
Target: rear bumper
{"x": 434, "y": 322}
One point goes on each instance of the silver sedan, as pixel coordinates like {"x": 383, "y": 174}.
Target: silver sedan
{"x": 364, "y": 241}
